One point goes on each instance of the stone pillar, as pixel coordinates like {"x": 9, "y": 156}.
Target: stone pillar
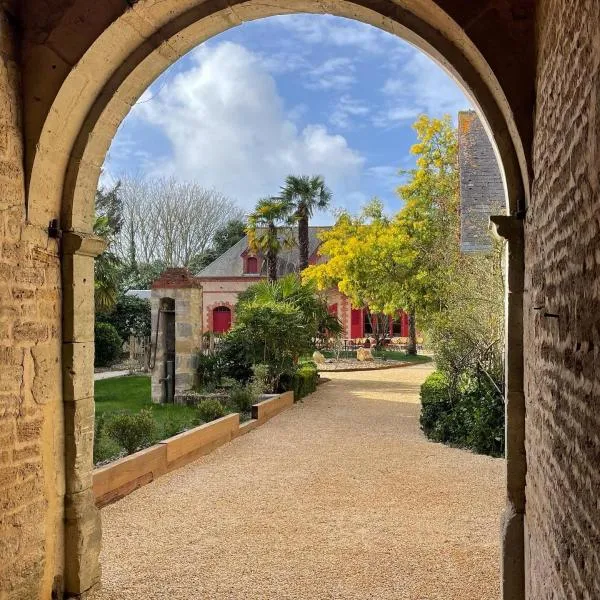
{"x": 186, "y": 291}
{"x": 83, "y": 530}
{"x": 513, "y": 520}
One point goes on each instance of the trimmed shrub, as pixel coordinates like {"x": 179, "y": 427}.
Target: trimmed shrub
{"x": 435, "y": 404}
{"x": 133, "y": 431}
{"x": 303, "y": 381}
{"x": 471, "y": 415}
{"x": 108, "y": 345}
{"x": 210, "y": 409}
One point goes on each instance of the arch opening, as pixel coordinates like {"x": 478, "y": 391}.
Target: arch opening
{"x": 95, "y": 97}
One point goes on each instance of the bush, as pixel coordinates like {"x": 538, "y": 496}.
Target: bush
{"x": 133, "y": 431}
{"x": 435, "y": 404}
{"x": 105, "y": 448}
{"x": 262, "y": 379}
{"x": 235, "y": 355}
{"x": 470, "y": 416}
{"x": 242, "y": 398}
{"x": 108, "y": 345}
{"x": 129, "y": 316}
{"x": 210, "y": 409}
{"x": 209, "y": 370}
{"x": 303, "y": 381}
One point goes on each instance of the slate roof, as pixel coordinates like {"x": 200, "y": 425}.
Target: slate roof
{"x": 231, "y": 263}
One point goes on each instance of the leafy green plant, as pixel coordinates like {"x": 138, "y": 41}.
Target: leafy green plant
{"x": 209, "y": 370}
{"x": 235, "y": 355}
{"x": 105, "y": 448}
{"x": 108, "y": 345}
{"x": 133, "y": 431}
{"x": 129, "y": 316}
{"x": 242, "y": 398}
{"x": 302, "y": 381}
{"x": 210, "y": 409}
{"x": 262, "y": 379}
{"x": 435, "y": 404}
{"x": 469, "y": 414}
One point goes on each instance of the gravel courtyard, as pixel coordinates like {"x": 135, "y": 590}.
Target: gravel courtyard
{"x": 340, "y": 497}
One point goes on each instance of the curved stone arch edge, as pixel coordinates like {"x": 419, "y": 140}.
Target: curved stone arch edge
{"x": 77, "y": 134}
{"x": 87, "y": 110}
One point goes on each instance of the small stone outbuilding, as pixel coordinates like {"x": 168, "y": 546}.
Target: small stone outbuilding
{"x": 176, "y": 302}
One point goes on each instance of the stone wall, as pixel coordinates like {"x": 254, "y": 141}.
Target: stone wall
{"x": 186, "y": 291}
{"x": 481, "y": 188}
{"x": 562, "y": 307}
{"x": 31, "y": 471}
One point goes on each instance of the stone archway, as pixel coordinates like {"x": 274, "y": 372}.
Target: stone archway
{"x": 98, "y": 72}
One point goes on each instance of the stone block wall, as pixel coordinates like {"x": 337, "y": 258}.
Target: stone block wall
{"x": 31, "y": 438}
{"x": 481, "y": 188}
{"x": 562, "y": 307}
{"x": 186, "y": 291}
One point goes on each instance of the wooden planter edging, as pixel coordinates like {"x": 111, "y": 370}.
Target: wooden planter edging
{"x": 121, "y": 477}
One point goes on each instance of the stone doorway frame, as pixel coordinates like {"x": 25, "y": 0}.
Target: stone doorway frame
{"x": 63, "y": 171}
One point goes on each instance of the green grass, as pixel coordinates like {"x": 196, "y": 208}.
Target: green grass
{"x": 132, "y": 394}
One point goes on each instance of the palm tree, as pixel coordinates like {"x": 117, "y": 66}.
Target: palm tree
{"x": 263, "y": 233}
{"x": 305, "y": 194}
{"x": 107, "y": 267}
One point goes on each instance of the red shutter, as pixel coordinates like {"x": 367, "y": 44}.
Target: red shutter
{"x": 356, "y": 323}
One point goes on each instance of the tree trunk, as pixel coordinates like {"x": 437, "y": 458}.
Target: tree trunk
{"x": 412, "y": 333}
{"x": 303, "y": 240}
{"x": 272, "y": 254}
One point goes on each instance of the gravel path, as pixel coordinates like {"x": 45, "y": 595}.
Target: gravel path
{"x": 340, "y": 497}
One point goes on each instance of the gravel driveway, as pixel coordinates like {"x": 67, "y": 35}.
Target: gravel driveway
{"x": 340, "y": 497}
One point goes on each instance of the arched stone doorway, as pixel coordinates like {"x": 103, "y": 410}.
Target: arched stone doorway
{"x": 95, "y": 74}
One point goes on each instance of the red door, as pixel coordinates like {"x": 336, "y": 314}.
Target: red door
{"x": 356, "y": 323}
{"x": 221, "y": 319}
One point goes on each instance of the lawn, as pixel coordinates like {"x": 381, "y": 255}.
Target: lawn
{"x": 132, "y": 394}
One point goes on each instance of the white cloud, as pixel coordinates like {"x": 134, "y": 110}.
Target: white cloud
{"x": 420, "y": 86}
{"x": 229, "y": 129}
{"x": 335, "y": 31}
{"x": 334, "y": 73}
{"x": 346, "y": 110}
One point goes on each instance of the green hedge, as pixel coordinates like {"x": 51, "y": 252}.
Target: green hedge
{"x": 435, "y": 405}
{"x": 302, "y": 382}
{"x": 470, "y": 416}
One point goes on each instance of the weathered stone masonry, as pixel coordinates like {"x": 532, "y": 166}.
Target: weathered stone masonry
{"x": 31, "y": 444}
{"x": 562, "y": 307}
{"x": 70, "y": 70}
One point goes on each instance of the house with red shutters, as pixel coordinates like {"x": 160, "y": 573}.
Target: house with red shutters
{"x": 238, "y": 268}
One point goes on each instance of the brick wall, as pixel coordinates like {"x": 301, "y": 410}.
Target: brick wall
{"x": 563, "y": 278}
{"x": 30, "y": 480}
{"x": 481, "y": 188}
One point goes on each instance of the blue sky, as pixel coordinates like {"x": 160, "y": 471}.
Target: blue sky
{"x": 301, "y": 94}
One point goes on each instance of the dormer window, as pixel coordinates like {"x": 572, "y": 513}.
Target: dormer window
{"x": 251, "y": 265}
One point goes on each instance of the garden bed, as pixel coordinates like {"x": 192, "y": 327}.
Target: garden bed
{"x": 121, "y": 477}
